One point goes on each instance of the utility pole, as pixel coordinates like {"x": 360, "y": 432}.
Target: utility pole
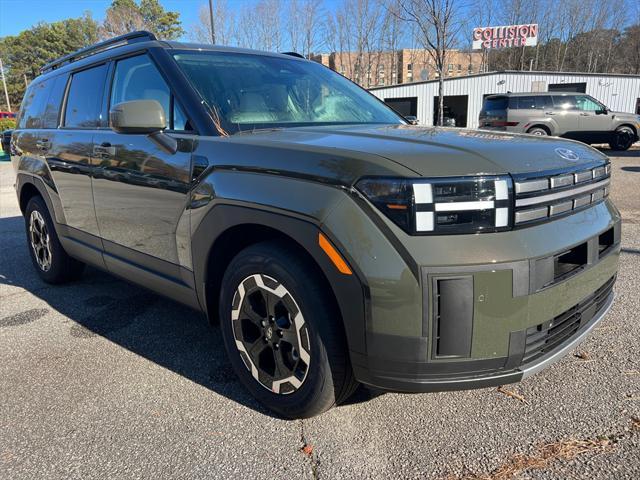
{"x": 4, "y": 84}
{"x": 213, "y": 28}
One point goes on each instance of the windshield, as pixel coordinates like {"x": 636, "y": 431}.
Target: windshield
{"x": 247, "y": 91}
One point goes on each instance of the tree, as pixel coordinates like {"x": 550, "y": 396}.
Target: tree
{"x": 24, "y": 54}
{"x": 303, "y": 25}
{"x": 223, "y": 20}
{"x": 435, "y": 20}
{"x": 125, "y": 16}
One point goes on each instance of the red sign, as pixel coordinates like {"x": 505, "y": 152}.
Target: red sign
{"x": 506, "y": 36}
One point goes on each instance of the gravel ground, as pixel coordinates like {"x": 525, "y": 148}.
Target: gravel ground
{"x": 101, "y": 379}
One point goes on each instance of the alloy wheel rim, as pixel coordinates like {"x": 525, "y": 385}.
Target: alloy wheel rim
{"x": 624, "y": 139}
{"x": 40, "y": 240}
{"x": 270, "y": 334}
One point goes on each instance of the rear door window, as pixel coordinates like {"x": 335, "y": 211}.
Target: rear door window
{"x": 565, "y": 102}
{"x": 534, "y": 102}
{"x": 33, "y": 106}
{"x": 84, "y": 101}
{"x": 51, "y": 114}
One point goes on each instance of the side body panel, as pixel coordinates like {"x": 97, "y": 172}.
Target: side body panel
{"x": 69, "y": 159}
{"x": 140, "y": 192}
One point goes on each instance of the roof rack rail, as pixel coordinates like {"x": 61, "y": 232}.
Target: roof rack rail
{"x": 131, "y": 37}
{"x": 293, "y": 54}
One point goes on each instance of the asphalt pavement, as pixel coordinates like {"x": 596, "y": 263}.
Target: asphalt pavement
{"x": 101, "y": 379}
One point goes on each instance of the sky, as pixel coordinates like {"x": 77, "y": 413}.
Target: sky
{"x": 18, "y": 15}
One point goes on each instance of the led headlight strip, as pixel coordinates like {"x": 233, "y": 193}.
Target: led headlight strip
{"x": 495, "y": 199}
{"x": 443, "y": 205}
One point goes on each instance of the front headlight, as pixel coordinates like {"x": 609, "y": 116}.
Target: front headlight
{"x": 448, "y": 205}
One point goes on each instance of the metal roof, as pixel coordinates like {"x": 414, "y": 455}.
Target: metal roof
{"x": 509, "y": 72}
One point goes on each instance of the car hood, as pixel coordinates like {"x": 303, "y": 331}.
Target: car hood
{"x": 431, "y": 151}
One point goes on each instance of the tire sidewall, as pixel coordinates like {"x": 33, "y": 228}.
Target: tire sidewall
{"x": 316, "y": 393}
{"x": 37, "y": 203}
{"x": 538, "y": 132}
{"x": 620, "y": 132}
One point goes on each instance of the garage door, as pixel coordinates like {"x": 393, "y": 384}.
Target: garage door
{"x": 404, "y": 106}
{"x": 568, "y": 87}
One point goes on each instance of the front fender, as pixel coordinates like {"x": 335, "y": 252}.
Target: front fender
{"x": 296, "y": 208}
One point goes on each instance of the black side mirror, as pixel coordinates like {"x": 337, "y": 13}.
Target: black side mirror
{"x": 412, "y": 119}
{"x": 602, "y": 111}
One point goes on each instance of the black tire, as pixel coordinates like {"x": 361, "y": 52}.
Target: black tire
{"x": 539, "y": 131}
{"x": 623, "y": 138}
{"x": 61, "y": 267}
{"x": 262, "y": 270}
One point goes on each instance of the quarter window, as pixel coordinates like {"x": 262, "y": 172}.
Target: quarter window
{"x": 33, "y": 105}
{"x": 85, "y": 98}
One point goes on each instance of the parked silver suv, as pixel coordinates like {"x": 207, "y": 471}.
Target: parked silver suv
{"x": 571, "y": 115}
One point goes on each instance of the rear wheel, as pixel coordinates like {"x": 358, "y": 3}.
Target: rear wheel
{"x": 539, "y": 131}
{"x": 49, "y": 258}
{"x": 283, "y": 332}
{"x": 623, "y": 138}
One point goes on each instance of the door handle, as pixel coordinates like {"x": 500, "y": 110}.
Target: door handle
{"x": 43, "y": 144}
{"x": 584, "y": 114}
{"x": 549, "y": 113}
{"x": 104, "y": 150}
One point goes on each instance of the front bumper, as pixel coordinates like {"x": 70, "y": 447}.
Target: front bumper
{"x": 505, "y": 279}
{"x": 480, "y": 374}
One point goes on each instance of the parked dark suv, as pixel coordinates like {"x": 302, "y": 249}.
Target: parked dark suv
{"x": 335, "y": 243}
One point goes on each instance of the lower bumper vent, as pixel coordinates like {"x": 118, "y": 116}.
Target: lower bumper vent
{"x": 547, "y": 336}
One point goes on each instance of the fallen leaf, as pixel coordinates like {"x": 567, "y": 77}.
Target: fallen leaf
{"x": 635, "y": 423}
{"x": 307, "y": 449}
{"x": 511, "y": 394}
{"x": 581, "y": 355}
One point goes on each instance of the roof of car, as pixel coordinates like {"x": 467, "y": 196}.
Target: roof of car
{"x": 136, "y": 41}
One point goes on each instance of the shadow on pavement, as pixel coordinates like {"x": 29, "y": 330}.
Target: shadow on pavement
{"x": 633, "y": 152}
{"x": 160, "y": 330}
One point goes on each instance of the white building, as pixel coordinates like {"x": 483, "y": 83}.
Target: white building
{"x": 464, "y": 95}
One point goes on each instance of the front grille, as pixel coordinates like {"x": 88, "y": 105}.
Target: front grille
{"x": 549, "y": 195}
{"x": 547, "y": 336}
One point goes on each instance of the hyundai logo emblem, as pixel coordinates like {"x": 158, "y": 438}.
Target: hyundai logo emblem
{"x": 567, "y": 154}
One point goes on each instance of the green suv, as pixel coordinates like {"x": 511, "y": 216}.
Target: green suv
{"x": 334, "y": 243}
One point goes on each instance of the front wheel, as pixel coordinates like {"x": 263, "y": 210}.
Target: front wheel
{"x": 623, "y": 138}
{"x": 538, "y": 131}
{"x": 283, "y": 332}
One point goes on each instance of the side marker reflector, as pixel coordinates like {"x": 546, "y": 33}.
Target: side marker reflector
{"x": 333, "y": 255}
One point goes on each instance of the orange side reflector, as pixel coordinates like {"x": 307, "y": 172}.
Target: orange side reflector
{"x": 333, "y": 254}
{"x": 394, "y": 206}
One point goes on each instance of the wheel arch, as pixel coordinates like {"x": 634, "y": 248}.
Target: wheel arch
{"x": 28, "y": 186}
{"x": 630, "y": 125}
{"x": 227, "y": 229}
{"x": 543, "y": 126}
